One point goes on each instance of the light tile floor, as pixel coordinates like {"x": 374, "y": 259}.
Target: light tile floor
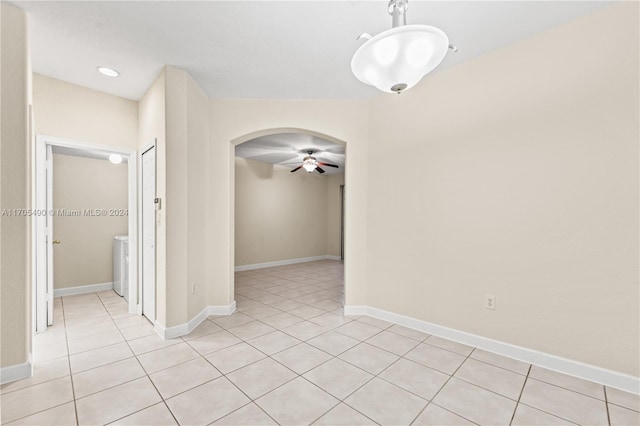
{"x": 287, "y": 356}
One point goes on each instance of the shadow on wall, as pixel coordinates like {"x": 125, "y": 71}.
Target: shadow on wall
{"x": 260, "y": 170}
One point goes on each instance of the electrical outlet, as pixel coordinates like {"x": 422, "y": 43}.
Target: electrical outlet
{"x": 193, "y": 288}
{"x": 490, "y": 301}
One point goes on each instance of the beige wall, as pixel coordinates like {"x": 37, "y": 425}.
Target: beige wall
{"x": 175, "y": 111}
{"x": 526, "y": 188}
{"x": 333, "y": 209}
{"x": 187, "y": 186}
{"x": 280, "y": 215}
{"x": 69, "y": 111}
{"x": 241, "y": 120}
{"x": 15, "y": 189}
{"x": 85, "y": 255}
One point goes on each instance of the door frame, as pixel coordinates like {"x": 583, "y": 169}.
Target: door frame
{"x": 342, "y": 198}
{"x": 153, "y": 145}
{"x": 39, "y": 288}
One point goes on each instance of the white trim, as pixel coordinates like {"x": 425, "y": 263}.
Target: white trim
{"x": 132, "y": 226}
{"x": 39, "y": 238}
{"x": 222, "y": 309}
{"x": 284, "y": 262}
{"x": 183, "y": 329}
{"x": 82, "y": 289}
{"x": 355, "y": 310}
{"x": 15, "y": 372}
{"x": 152, "y": 282}
{"x": 138, "y": 295}
{"x": 574, "y": 368}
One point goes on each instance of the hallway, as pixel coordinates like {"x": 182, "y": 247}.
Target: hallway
{"x": 287, "y": 356}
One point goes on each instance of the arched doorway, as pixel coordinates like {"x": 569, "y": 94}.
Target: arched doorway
{"x": 288, "y": 146}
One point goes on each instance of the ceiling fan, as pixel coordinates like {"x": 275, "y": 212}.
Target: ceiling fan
{"x": 310, "y": 163}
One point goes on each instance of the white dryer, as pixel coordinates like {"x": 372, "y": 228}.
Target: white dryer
{"x": 121, "y": 265}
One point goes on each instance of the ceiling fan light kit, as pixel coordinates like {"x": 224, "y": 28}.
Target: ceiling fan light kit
{"x": 396, "y": 59}
{"x": 311, "y": 164}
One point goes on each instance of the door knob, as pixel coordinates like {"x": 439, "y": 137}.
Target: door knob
{"x": 56, "y": 241}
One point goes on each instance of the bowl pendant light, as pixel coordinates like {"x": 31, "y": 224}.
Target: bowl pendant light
{"x": 397, "y": 59}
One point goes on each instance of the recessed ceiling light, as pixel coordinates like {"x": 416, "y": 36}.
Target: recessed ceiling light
{"x": 109, "y": 72}
{"x": 115, "y": 158}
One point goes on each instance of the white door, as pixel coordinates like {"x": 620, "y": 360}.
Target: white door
{"x": 149, "y": 234}
{"x": 44, "y": 237}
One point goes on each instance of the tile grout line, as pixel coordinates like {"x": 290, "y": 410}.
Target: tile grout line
{"x": 240, "y": 408}
{"x": 334, "y": 329}
{"x": 442, "y": 387}
{"x": 606, "y": 404}
{"x": 303, "y": 303}
{"x": 328, "y": 330}
{"x": 297, "y": 375}
{"x": 502, "y": 368}
{"x": 425, "y": 341}
{"x": 361, "y": 341}
{"x": 223, "y": 375}
{"x": 567, "y": 389}
{"x": 252, "y": 400}
{"x": 537, "y": 408}
{"x": 524, "y": 384}
{"x": 51, "y": 380}
{"x": 550, "y": 414}
{"x": 73, "y": 392}
{"x": 143, "y": 369}
{"x": 374, "y": 376}
{"x": 340, "y": 400}
{"x": 207, "y": 354}
{"x": 119, "y": 328}
{"x": 332, "y": 357}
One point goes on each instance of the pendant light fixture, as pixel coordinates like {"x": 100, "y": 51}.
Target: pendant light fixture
{"x": 397, "y": 59}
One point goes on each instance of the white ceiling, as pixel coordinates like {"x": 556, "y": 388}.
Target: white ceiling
{"x": 258, "y": 49}
{"x": 289, "y": 149}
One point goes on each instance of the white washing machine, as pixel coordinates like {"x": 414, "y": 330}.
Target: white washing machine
{"x": 121, "y": 265}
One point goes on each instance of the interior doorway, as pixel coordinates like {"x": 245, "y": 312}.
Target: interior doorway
{"x": 44, "y": 213}
{"x": 275, "y": 175}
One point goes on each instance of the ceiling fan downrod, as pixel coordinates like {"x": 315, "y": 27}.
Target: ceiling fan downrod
{"x": 398, "y": 11}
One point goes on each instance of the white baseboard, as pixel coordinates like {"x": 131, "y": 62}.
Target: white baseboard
{"x": 81, "y": 289}
{"x": 578, "y": 369}
{"x": 16, "y": 372}
{"x": 355, "y": 310}
{"x": 183, "y": 329}
{"x": 222, "y": 310}
{"x": 284, "y": 262}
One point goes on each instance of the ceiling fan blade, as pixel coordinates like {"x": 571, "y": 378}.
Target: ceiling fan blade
{"x": 319, "y": 170}
{"x": 296, "y": 169}
{"x": 328, "y": 165}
